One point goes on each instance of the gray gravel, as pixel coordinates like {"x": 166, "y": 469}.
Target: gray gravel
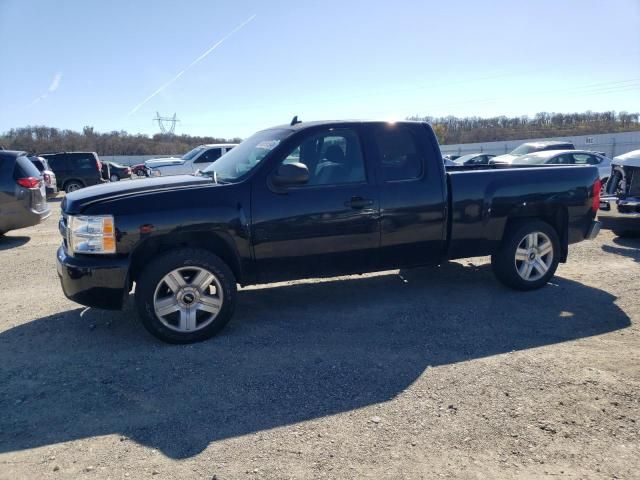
{"x": 433, "y": 372}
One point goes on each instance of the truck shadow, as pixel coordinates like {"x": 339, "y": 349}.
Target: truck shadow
{"x": 8, "y": 242}
{"x": 628, "y": 247}
{"x": 292, "y": 353}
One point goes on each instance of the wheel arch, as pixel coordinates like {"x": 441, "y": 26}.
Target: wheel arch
{"x": 214, "y": 242}
{"x": 555, "y": 215}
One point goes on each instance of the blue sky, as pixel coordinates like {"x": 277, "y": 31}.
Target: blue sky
{"x": 74, "y": 63}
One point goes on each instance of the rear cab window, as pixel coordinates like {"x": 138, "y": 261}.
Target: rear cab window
{"x": 399, "y": 154}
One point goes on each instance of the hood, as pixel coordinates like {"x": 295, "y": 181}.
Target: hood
{"x": 506, "y": 158}
{"x": 629, "y": 159}
{"x": 163, "y": 162}
{"x": 75, "y": 202}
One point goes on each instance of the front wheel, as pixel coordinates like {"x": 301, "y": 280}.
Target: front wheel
{"x": 114, "y": 178}
{"x": 528, "y": 256}
{"x": 186, "y": 296}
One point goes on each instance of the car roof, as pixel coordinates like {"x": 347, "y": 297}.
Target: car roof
{"x": 546, "y": 143}
{"x": 320, "y": 123}
{"x": 209, "y": 145}
{"x": 11, "y": 154}
{"x": 553, "y": 153}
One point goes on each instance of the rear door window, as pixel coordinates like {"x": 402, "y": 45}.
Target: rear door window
{"x": 83, "y": 162}
{"x": 57, "y": 163}
{"x": 585, "y": 159}
{"x": 399, "y": 155}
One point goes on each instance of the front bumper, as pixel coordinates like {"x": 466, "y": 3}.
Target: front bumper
{"x": 619, "y": 214}
{"x": 99, "y": 282}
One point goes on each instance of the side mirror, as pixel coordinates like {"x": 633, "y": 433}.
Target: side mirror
{"x": 289, "y": 174}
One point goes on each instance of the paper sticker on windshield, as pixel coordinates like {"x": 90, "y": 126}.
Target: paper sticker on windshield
{"x": 268, "y": 144}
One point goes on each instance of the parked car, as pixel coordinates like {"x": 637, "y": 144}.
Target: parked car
{"x": 115, "y": 172}
{"x": 474, "y": 159}
{"x": 49, "y": 178}
{"x": 450, "y": 157}
{"x": 620, "y": 207}
{"x": 75, "y": 170}
{"x": 23, "y": 198}
{"x": 140, "y": 170}
{"x": 568, "y": 157}
{"x": 197, "y": 159}
{"x": 300, "y": 201}
{"x": 532, "y": 147}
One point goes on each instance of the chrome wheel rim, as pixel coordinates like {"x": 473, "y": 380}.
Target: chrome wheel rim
{"x": 73, "y": 187}
{"x": 188, "y": 299}
{"x": 114, "y": 178}
{"x": 534, "y": 256}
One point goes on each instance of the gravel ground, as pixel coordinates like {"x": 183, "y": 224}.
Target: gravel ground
{"x": 433, "y": 372}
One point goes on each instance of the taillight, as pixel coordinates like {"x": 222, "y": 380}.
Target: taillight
{"x": 47, "y": 178}
{"x": 597, "y": 187}
{"x": 28, "y": 182}
{"x": 98, "y": 164}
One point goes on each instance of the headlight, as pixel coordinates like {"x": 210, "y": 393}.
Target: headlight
{"x": 91, "y": 234}
{"x": 155, "y": 173}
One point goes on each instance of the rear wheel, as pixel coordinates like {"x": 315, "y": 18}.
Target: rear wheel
{"x": 186, "y": 296}
{"x": 528, "y": 256}
{"x": 72, "y": 186}
{"x": 114, "y": 178}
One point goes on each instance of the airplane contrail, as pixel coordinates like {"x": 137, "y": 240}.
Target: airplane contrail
{"x": 197, "y": 60}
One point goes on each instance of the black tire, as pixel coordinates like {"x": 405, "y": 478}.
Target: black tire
{"x": 504, "y": 263}
{"x": 152, "y": 276}
{"x": 72, "y": 186}
{"x": 114, "y": 176}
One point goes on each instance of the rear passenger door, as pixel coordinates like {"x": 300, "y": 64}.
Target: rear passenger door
{"x": 412, "y": 201}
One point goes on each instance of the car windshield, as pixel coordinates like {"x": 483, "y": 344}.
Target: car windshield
{"x": 242, "y": 159}
{"x": 524, "y": 149}
{"x": 531, "y": 159}
{"x": 192, "y": 153}
{"x": 464, "y": 158}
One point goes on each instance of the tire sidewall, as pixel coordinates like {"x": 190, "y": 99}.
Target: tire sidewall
{"x": 153, "y": 274}
{"x": 503, "y": 261}
{"x": 72, "y": 182}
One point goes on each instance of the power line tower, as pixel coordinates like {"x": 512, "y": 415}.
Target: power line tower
{"x": 167, "y": 124}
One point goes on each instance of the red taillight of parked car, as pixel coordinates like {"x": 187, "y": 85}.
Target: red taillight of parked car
{"x": 28, "y": 182}
{"x": 129, "y": 171}
{"x": 47, "y": 178}
{"x": 597, "y": 187}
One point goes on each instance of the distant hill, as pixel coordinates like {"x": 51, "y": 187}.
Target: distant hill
{"x": 41, "y": 139}
{"x": 453, "y": 130}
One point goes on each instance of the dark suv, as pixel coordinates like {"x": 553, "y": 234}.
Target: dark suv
{"x": 75, "y": 170}
{"x": 23, "y": 200}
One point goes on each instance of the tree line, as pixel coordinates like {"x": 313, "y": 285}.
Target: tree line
{"x": 452, "y": 130}
{"x": 41, "y": 139}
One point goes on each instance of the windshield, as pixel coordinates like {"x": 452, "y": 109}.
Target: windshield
{"x": 464, "y": 158}
{"x": 531, "y": 159}
{"x": 243, "y": 158}
{"x": 192, "y": 153}
{"x": 524, "y": 149}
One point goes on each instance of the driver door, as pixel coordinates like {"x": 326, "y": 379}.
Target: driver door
{"x": 328, "y": 226}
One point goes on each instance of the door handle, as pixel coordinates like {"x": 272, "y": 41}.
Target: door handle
{"x": 358, "y": 202}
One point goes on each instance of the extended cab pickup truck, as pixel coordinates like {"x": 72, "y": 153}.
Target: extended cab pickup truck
{"x": 310, "y": 200}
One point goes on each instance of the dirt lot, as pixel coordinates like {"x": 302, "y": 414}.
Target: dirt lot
{"x": 428, "y": 373}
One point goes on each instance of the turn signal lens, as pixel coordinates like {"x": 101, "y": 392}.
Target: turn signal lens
{"x": 597, "y": 187}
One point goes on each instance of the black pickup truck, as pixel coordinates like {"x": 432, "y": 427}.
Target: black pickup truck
{"x": 311, "y": 200}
